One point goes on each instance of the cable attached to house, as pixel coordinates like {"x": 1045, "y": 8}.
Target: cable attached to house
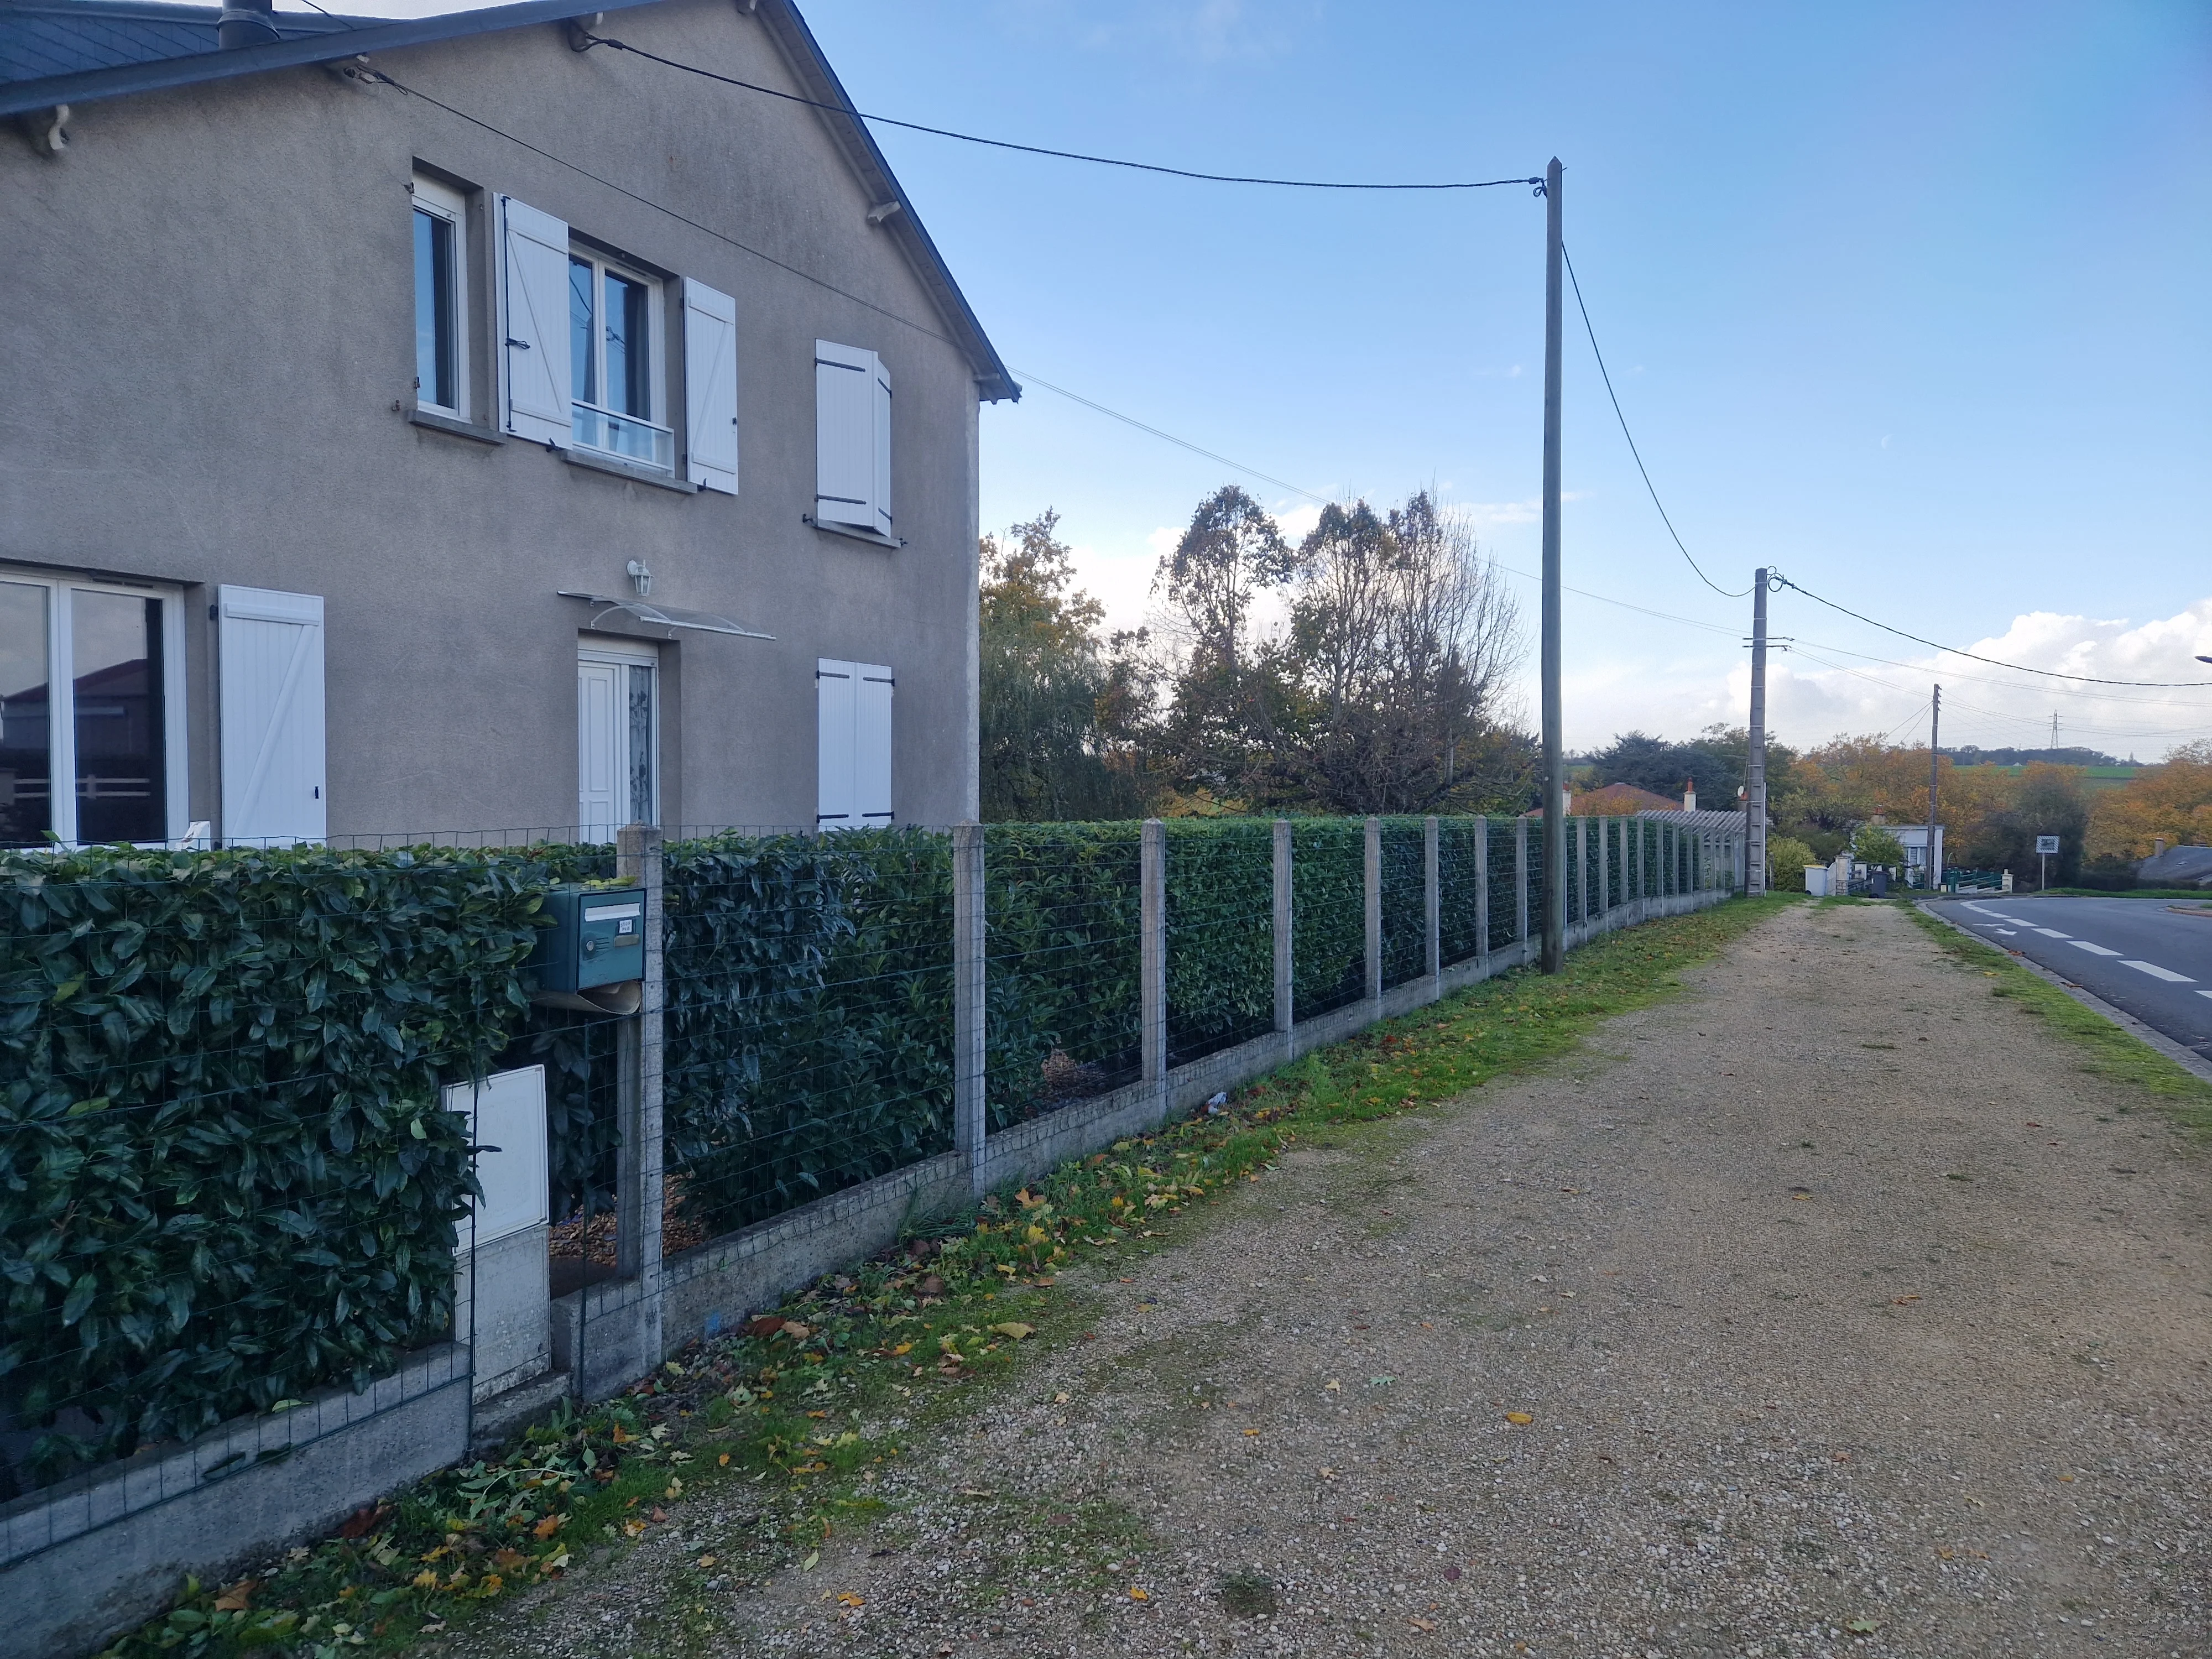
{"x": 1038, "y": 149}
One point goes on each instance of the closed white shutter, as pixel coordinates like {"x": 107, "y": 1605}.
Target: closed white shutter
{"x": 710, "y": 388}
{"x": 872, "y": 742}
{"x": 533, "y": 308}
{"x": 844, "y": 434}
{"x": 269, "y": 661}
{"x": 835, "y": 805}
{"x": 880, "y": 395}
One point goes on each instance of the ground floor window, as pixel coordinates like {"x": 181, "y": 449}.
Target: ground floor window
{"x": 89, "y": 684}
{"x": 618, "y": 737}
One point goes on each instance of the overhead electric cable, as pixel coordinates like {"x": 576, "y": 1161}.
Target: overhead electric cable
{"x": 1605, "y": 374}
{"x": 2018, "y": 668}
{"x": 1169, "y": 437}
{"x": 1039, "y": 149}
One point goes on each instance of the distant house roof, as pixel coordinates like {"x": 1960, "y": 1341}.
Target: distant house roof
{"x": 1617, "y": 800}
{"x": 78, "y": 51}
{"x": 1726, "y": 823}
{"x": 2178, "y": 866}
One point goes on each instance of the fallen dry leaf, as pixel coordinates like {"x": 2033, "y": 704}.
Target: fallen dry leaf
{"x": 236, "y": 1598}
{"x": 1137, "y": 1593}
{"x": 1015, "y": 1329}
{"x": 1519, "y": 1419}
{"x": 850, "y": 1599}
{"x": 1424, "y": 1625}
{"x": 548, "y": 1527}
{"x": 706, "y": 1560}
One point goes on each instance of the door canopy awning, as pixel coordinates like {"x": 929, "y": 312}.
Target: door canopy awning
{"x": 662, "y": 616}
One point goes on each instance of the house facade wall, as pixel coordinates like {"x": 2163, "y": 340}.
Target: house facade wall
{"x": 210, "y": 365}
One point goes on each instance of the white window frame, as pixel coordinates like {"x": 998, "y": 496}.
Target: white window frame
{"x": 443, "y": 202}
{"x": 656, "y": 304}
{"x": 625, "y": 653}
{"x": 61, "y": 711}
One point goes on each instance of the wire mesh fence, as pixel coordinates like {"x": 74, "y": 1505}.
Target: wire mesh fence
{"x": 227, "y": 1177}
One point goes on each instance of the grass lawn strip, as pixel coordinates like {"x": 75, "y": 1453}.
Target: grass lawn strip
{"x": 793, "y": 1416}
{"x": 2113, "y": 1052}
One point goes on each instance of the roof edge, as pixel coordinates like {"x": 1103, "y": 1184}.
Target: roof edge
{"x": 90, "y": 85}
{"x": 802, "y": 53}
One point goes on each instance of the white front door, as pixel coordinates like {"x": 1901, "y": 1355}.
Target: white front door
{"x": 617, "y": 738}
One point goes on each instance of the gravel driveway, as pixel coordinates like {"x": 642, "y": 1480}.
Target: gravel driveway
{"x": 1847, "y": 1314}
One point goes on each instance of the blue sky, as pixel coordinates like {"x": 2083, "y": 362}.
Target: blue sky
{"x": 1907, "y": 300}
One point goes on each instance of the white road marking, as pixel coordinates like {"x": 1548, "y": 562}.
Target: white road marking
{"x": 2052, "y": 932}
{"x": 2157, "y": 972}
{"x": 2093, "y": 950}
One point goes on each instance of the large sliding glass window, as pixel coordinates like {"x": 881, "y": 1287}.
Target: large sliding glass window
{"x": 26, "y": 720}
{"x": 109, "y": 729}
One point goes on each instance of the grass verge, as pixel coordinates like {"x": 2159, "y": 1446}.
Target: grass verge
{"x": 2112, "y": 1052}
{"x": 794, "y": 1409}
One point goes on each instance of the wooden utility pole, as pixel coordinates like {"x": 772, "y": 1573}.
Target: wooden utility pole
{"x": 1555, "y": 767}
{"x": 1754, "y": 793}
{"x": 1934, "y": 717}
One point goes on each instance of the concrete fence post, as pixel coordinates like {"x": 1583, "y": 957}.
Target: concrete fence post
{"x": 640, "y": 1087}
{"x": 970, "y": 989}
{"x": 1605, "y": 867}
{"x": 1286, "y": 958}
{"x": 1521, "y": 879}
{"x": 1433, "y": 892}
{"x": 1482, "y": 893}
{"x": 1152, "y": 993}
{"x": 1374, "y": 885}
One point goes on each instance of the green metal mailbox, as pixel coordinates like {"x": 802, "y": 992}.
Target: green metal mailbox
{"x": 597, "y": 937}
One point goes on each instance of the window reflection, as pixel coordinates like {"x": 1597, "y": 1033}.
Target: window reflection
{"x": 116, "y": 641}
{"x": 629, "y": 362}
{"x": 26, "y": 768}
{"x": 583, "y": 365}
{"x": 435, "y": 359}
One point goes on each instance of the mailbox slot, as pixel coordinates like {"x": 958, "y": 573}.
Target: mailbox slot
{"x": 597, "y": 938}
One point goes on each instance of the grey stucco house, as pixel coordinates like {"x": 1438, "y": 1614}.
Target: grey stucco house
{"x": 455, "y": 426}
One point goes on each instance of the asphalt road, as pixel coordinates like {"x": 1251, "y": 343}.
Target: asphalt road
{"x": 2141, "y": 956}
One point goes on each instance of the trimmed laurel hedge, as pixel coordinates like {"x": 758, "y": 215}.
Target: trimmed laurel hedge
{"x": 224, "y": 1176}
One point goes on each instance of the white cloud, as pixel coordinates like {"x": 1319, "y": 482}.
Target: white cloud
{"x": 1817, "y": 692}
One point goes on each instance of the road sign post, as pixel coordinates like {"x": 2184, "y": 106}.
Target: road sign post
{"x": 2045, "y": 847}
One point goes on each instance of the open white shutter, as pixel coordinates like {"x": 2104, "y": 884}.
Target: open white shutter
{"x": 844, "y": 434}
{"x": 270, "y": 661}
{"x": 872, "y": 742}
{"x": 533, "y": 306}
{"x": 710, "y": 388}
{"x": 835, "y": 803}
{"x": 880, "y": 396}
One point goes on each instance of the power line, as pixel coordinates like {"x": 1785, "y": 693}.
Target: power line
{"x": 1169, "y": 437}
{"x": 1039, "y": 149}
{"x": 2018, "y": 668}
{"x": 1606, "y": 376}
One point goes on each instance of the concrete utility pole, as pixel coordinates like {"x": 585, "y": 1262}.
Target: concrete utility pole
{"x": 1934, "y": 717}
{"x": 1555, "y": 769}
{"x": 1754, "y": 793}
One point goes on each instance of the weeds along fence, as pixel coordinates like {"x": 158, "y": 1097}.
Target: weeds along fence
{"x": 228, "y": 1185}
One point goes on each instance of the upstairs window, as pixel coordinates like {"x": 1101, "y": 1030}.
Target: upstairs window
{"x": 615, "y": 372}
{"x": 441, "y": 310}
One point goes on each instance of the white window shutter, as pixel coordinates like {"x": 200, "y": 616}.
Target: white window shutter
{"x": 872, "y": 742}
{"x": 835, "y": 805}
{"x": 844, "y": 434}
{"x": 880, "y": 394}
{"x": 533, "y": 308}
{"x": 710, "y": 388}
{"x": 270, "y": 663}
